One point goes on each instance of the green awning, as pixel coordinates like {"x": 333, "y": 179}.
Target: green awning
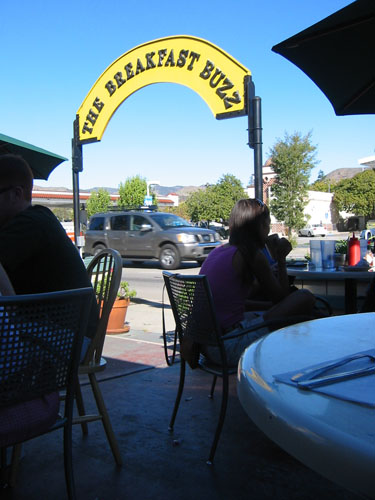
{"x": 41, "y": 161}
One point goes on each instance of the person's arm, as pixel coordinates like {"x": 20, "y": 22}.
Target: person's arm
{"x": 272, "y": 288}
{"x": 257, "y": 305}
{"x": 279, "y": 249}
{"x": 283, "y": 248}
{"x": 5, "y": 284}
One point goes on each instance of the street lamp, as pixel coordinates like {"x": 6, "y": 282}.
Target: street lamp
{"x": 151, "y": 183}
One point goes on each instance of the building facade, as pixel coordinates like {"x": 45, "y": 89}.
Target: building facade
{"x": 319, "y": 208}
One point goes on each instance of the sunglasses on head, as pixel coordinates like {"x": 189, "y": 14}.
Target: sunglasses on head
{"x": 260, "y": 202}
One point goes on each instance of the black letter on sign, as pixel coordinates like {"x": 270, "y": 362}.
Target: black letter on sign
{"x": 150, "y": 62}
{"x": 98, "y": 104}
{"x": 236, "y": 99}
{"x": 227, "y": 86}
{"x": 86, "y": 128}
{"x": 207, "y": 70}
{"x": 170, "y": 60}
{"x": 182, "y": 58}
{"x": 129, "y": 70}
{"x": 91, "y": 117}
{"x": 218, "y": 73}
{"x": 162, "y": 53}
{"x": 194, "y": 57}
{"x": 111, "y": 87}
{"x": 140, "y": 67}
{"x": 228, "y": 101}
{"x": 119, "y": 79}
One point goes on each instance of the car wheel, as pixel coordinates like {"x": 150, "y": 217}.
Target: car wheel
{"x": 200, "y": 261}
{"x": 323, "y": 235}
{"x": 309, "y": 234}
{"x": 299, "y": 233}
{"x": 169, "y": 257}
{"x": 98, "y": 249}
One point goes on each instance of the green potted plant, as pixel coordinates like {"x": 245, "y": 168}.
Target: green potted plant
{"x": 341, "y": 248}
{"x": 116, "y": 321}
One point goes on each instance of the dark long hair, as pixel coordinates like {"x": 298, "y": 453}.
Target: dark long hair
{"x": 245, "y": 223}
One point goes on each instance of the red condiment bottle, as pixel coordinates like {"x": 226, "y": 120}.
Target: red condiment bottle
{"x": 354, "y": 251}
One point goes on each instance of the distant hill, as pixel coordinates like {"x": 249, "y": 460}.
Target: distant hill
{"x": 164, "y": 190}
{"x": 110, "y": 190}
{"x": 182, "y": 191}
{"x": 40, "y": 188}
{"x": 344, "y": 173}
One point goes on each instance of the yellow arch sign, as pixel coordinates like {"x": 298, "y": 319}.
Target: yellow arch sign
{"x": 198, "y": 64}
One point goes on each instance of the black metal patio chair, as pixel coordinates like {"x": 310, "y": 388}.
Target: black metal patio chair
{"x": 40, "y": 345}
{"x": 197, "y": 326}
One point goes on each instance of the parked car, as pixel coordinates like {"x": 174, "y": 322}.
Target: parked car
{"x": 145, "y": 235}
{"x": 367, "y": 234}
{"x": 216, "y": 226}
{"x": 313, "y": 230}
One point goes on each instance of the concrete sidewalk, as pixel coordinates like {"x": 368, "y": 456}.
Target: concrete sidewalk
{"x": 139, "y": 390}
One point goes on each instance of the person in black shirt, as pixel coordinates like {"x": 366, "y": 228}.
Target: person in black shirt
{"x": 35, "y": 250}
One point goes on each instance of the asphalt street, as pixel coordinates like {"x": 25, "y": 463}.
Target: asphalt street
{"x": 144, "y": 313}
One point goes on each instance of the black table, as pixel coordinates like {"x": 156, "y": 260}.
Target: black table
{"x": 350, "y": 279}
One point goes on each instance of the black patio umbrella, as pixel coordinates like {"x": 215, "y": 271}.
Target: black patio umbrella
{"x": 41, "y": 162}
{"x": 338, "y": 54}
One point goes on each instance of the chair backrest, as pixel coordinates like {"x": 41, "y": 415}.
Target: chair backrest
{"x": 193, "y": 308}
{"x": 369, "y": 302}
{"x": 40, "y": 343}
{"x": 105, "y": 271}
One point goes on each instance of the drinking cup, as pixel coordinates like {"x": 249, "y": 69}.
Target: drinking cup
{"x": 316, "y": 254}
{"x": 328, "y": 250}
{"x": 363, "y": 244}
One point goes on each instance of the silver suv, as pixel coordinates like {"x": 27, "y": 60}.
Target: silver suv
{"x": 144, "y": 235}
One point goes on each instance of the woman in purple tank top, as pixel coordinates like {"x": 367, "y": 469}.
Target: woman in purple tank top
{"x": 241, "y": 269}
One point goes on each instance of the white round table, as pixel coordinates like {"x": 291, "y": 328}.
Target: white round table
{"x": 333, "y": 436}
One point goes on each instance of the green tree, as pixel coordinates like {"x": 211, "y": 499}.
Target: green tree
{"x": 181, "y": 210}
{"x": 326, "y": 186}
{"x": 226, "y": 193}
{"x": 292, "y": 160}
{"x": 215, "y": 202}
{"x": 63, "y": 213}
{"x": 99, "y": 201}
{"x": 154, "y": 198}
{"x": 132, "y": 192}
{"x": 201, "y": 205}
{"x": 320, "y": 175}
{"x": 357, "y": 195}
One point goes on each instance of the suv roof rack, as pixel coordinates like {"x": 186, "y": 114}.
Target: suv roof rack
{"x": 134, "y": 208}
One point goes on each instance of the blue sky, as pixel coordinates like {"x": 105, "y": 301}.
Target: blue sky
{"x": 54, "y": 51}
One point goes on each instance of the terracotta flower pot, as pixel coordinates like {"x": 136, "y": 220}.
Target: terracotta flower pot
{"x": 116, "y": 321}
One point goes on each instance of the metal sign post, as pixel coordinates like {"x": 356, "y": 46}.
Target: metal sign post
{"x": 77, "y": 166}
{"x": 255, "y": 136}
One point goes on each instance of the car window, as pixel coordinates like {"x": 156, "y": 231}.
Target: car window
{"x": 166, "y": 221}
{"x": 97, "y": 224}
{"x": 137, "y": 222}
{"x": 120, "y": 223}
